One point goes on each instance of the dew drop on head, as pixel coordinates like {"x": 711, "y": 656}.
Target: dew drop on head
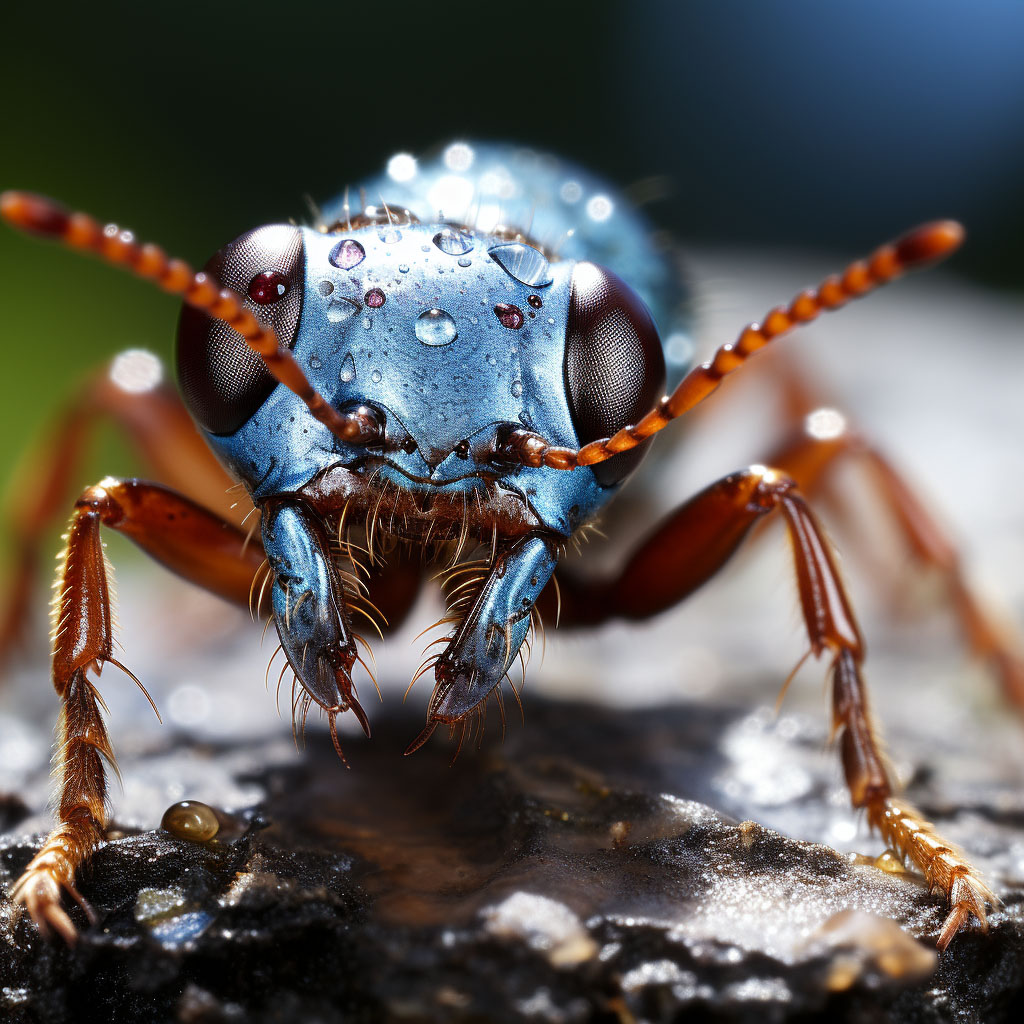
{"x": 348, "y": 253}
{"x": 342, "y": 309}
{"x": 509, "y": 316}
{"x": 453, "y": 242}
{"x": 435, "y": 327}
{"x": 523, "y": 263}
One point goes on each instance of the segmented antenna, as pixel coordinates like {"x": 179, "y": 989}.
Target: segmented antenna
{"x": 923, "y": 245}
{"x": 40, "y": 216}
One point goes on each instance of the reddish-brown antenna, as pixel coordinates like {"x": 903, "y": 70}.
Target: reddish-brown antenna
{"x": 925, "y": 244}
{"x": 38, "y": 215}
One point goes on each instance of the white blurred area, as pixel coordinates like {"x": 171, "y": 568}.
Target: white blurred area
{"x": 930, "y": 368}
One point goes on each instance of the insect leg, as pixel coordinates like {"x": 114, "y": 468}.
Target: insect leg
{"x": 148, "y": 412}
{"x": 190, "y": 541}
{"x": 689, "y": 547}
{"x": 823, "y": 442}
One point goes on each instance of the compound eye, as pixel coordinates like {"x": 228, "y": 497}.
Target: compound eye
{"x": 222, "y": 380}
{"x": 614, "y": 363}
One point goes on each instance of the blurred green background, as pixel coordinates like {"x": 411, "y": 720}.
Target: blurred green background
{"x": 791, "y": 123}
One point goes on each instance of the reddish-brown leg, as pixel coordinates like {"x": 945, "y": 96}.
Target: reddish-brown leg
{"x": 809, "y": 457}
{"x": 190, "y": 541}
{"x": 690, "y": 546}
{"x": 150, "y": 414}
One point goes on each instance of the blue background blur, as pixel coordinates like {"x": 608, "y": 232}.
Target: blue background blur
{"x": 792, "y": 122}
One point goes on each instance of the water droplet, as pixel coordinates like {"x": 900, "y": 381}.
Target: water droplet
{"x": 536, "y": 301}
{"x": 348, "y": 253}
{"x": 509, "y": 316}
{"x": 403, "y": 268}
{"x": 389, "y": 234}
{"x": 375, "y": 298}
{"x": 325, "y": 287}
{"x": 314, "y": 362}
{"x": 425, "y": 248}
{"x": 375, "y": 376}
{"x": 464, "y": 262}
{"x": 191, "y": 819}
{"x": 523, "y": 263}
{"x": 492, "y": 361}
{"x": 342, "y": 309}
{"x": 453, "y": 242}
{"x": 268, "y": 287}
{"x": 367, "y": 323}
{"x": 435, "y": 327}
{"x": 517, "y": 388}
{"x": 348, "y": 368}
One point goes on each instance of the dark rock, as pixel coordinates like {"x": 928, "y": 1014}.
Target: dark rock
{"x": 570, "y": 873}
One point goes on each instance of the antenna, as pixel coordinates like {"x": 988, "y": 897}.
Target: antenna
{"x": 921, "y": 246}
{"x": 40, "y": 216}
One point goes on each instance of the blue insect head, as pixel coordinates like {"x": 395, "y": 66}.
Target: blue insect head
{"x": 437, "y": 340}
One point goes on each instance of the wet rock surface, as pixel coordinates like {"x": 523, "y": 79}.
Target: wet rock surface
{"x": 576, "y": 871}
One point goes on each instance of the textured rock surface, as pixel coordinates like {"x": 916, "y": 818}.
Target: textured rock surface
{"x": 570, "y": 873}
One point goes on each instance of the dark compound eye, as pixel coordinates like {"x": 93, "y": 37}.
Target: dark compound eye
{"x": 614, "y": 364}
{"x": 268, "y": 287}
{"x": 222, "y": 380}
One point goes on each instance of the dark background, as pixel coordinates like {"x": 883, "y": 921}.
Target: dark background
{"x": 793, "y": 123}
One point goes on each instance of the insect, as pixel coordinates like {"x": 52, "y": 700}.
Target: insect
{"x": 415, "y": 378}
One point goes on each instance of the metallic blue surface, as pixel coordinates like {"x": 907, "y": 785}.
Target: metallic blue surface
{"x": 564, "y": 208}
{"x": 488, "y": 376}
{"x": 454, "y": 346}
{"x": 309, "y": 621}
{"x": 489, "y": 638}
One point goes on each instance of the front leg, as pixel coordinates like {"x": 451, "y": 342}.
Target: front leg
{"x": 489, "y": 637}
{"x": 187, "y": 539}
{"x": 689, "y": 547}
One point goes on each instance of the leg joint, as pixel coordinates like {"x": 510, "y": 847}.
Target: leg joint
{"x": 99, "y": 500}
